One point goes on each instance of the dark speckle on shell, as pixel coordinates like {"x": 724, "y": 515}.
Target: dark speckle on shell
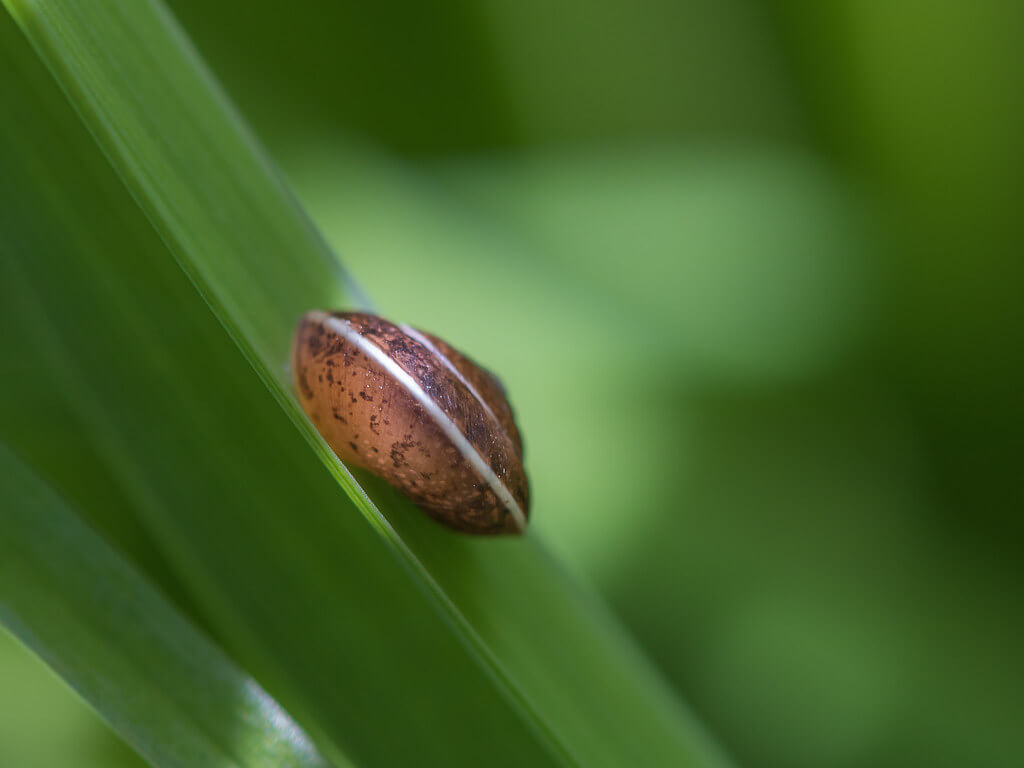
{"x": 461, "y": 461}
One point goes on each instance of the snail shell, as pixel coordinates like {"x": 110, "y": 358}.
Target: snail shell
{"x": 410, "y": 408}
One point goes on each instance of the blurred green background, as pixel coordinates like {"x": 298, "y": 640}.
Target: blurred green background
{"x": 751, "y": 272}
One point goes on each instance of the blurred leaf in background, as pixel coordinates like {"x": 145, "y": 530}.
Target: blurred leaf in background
{"x": 43, "y": 724}
{"x": 765, "y": 259}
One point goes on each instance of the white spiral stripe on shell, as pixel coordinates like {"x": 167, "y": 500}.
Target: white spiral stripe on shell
{"x": 465, "y": 448}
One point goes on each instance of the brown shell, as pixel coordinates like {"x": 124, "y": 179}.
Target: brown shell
{"x": 410, "y": 408}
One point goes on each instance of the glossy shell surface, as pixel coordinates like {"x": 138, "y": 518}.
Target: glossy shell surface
{"x": 408, "y": 407}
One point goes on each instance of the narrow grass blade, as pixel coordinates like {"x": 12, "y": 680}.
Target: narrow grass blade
{"x": 298, "y": 588}
{"x": 162, "y": 685}
{"x": 549, "y": 650}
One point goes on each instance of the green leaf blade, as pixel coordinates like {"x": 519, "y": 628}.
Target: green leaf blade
{"x": 303, "y": 593}
{"x": 559, "y": 666}
{"x": 160, "y": 683}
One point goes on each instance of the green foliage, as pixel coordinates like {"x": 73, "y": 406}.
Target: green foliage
{"x": 751, "y": 275}
{"x": 157, "y": 679}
